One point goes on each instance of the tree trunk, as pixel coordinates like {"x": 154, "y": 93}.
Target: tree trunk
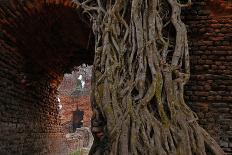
{"x": 140, "y": 68}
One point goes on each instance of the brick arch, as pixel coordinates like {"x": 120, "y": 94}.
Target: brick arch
{"x": 43, "y": 30}
{"x": 39, "y": 42}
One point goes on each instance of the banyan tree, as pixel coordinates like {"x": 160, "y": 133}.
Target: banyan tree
{"x": 140, "y": 68}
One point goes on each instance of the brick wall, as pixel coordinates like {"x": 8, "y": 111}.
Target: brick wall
{"x": 69, "y": 105}
{"x": 28, "y": 110}
{"x": 73, "y": 95}
{"x": 209, "y": 92}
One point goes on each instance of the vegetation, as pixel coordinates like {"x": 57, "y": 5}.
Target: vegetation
{"x": 141, "y": 66}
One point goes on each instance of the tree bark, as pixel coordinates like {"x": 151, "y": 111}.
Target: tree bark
{"x": 141, "y": 66}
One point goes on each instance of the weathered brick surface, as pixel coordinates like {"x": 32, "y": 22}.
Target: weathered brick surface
{"x": 69, "y": 105}
{"x": 209, "y": 92}
{"x": 28, "y": 111}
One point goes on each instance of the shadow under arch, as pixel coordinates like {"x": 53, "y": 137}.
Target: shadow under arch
{"x": 39, "y": 42}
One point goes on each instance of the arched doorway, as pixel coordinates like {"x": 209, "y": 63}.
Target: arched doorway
{"x": 40, "y": 42}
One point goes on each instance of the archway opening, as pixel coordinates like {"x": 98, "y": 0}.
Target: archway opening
{"x": 75, "y": 109}
{"x": 40, "y": 42}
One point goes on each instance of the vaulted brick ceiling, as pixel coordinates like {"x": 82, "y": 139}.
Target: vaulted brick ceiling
{"x": 52, "y": 35}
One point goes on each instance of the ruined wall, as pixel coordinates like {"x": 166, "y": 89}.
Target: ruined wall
{"x": 69, "y": 105}
{"x": 74, "y": 93}
{"x": 209, "y": 92}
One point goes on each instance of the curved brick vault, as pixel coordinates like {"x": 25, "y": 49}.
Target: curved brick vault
{"x": 39, "y": 42}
